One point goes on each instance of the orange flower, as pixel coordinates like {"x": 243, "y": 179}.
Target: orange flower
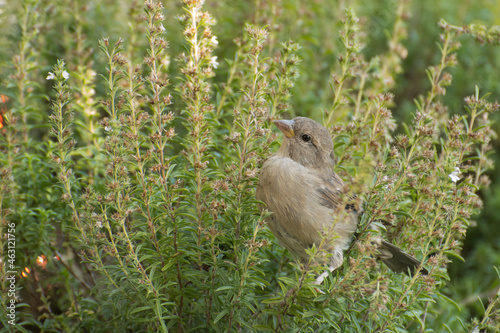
{"x": 3, "y": 100}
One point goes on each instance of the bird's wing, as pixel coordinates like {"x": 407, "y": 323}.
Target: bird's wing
{"x": 330, "y": 193}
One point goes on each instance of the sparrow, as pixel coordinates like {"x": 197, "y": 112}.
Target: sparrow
{"x": 308, "y": 201}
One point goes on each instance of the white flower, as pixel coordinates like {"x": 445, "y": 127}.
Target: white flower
{"x": 98, "y": 224}
{"x": 454, "y": 175}
{"x": 52, "y": 76}
{"x": 213, "y": 62}
{"x": 165, "y": 61}
{"x": 88, "y": 110}
{"x": 108, "y": 129}
{"x": 214, "y": 40}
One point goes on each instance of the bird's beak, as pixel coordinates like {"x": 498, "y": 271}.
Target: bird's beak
{"x": 286, "y": 126}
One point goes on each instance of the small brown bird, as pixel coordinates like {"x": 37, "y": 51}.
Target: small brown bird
{"x": 306, "y": 198}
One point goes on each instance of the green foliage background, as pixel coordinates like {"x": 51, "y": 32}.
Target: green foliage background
{"x": 45, "y": 31}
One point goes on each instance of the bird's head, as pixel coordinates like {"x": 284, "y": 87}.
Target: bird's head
{"x": 306, "y": 142}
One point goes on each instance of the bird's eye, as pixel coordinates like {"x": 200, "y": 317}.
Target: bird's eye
{"x": 306, "y": 137}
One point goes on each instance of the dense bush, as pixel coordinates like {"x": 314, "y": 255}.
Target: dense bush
{"x": 132, "y": 140}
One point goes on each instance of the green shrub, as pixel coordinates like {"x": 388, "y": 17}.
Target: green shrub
{"x": 128, "y": 169}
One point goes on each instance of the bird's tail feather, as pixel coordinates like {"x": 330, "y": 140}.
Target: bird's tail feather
{"x": 399, "y": 261}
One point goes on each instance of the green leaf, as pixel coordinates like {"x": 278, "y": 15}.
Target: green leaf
{"x": 403, "y": 213}
{"x": 288, "y": 281}
{"x": 263, "y": 328}
{"x": 482, "y": 305}
{"x": 140, "y": 309}
{"x": 449, "y": 300}
{"x": 221, "y": 315}
{"x": 273, "y": 300}
{"x": 448, "y": 328}
{"x": 498, "y": 272}
{"x": 310, "y": 313}
{"x": 455, "y": 255}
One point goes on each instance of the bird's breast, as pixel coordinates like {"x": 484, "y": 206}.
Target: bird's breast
{"x": 289, "y": 191}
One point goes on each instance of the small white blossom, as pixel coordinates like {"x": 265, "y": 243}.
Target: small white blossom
{"x": 98, "y": 224}
{"x": 165, "y": 61}
{"x": 65, "y": 75}
{"x": 454, "y": 175}
{"x": 213, "y": 62}
{"x": 87, "y": 91}
{"x": 89, "y": 110}
{"x": 214, "y": 40}
{"x": 161, "y": 28}
{"x": 51, "y": 76}
{"x": 108, "y": 129}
